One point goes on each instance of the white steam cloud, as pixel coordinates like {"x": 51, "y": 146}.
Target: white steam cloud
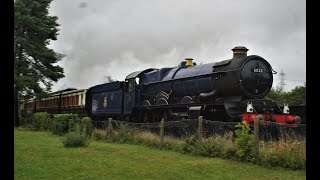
{"x": 116, "y": 37}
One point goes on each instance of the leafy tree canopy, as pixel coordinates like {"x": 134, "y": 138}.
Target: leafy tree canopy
{"x": 295, "y": 97}
{"x": 34, "y": 69}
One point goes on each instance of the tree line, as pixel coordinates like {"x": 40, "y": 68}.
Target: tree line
{"x": 295, "y": 97}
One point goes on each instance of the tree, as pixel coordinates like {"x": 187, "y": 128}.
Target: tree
{"x": 296, "y": 96}
{"x": 34, "y": 69}
{"x": 278, "y": 95}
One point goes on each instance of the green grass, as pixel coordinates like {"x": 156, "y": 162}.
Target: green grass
{"x": 40, "y": 155}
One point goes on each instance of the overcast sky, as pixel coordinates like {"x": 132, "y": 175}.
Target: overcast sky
{"x": 116, "y": 37}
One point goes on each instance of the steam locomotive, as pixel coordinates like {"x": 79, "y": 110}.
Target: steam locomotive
{"x": 229, "y": 90}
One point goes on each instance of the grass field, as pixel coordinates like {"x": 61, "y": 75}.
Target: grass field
{"x": 40, "y": 155}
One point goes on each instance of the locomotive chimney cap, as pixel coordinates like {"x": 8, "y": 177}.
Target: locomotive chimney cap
{"x": 240, "y": 49}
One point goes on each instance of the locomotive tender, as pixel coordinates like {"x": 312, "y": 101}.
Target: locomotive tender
{"x": 229, "y": 90}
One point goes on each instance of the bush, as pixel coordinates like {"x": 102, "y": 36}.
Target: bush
{"x": 41, "y": 121}
{"x": 64, "y": 123}
{"x": 244, "y": 142}
{"x": 190, "y": 144}
{"x": 73, "y": 139}
{"x": 207, "y": 147}
{"x": 26, "y": 121}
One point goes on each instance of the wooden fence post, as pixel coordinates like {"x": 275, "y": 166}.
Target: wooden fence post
{"x": 110, "y": 128}
{"x": 257, "y": 120}
{"x": 200, "y": 128}
{"x": 161, "y": 130}
{"x": 105, "y": 125}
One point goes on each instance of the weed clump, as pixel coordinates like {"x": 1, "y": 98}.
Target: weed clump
{"x": 244, "y": 142}
{"x": 74, "y": 139}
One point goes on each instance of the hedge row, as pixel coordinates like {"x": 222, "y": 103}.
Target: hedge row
{"x": 60, "y": 124}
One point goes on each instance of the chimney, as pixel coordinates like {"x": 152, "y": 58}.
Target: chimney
{"x": 239, "y": 51}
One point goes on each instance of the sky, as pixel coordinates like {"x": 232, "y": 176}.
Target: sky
{"x": 117, "y": 37}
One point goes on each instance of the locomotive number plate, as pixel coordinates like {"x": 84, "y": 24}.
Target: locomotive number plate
{"x": 257, "y": 70}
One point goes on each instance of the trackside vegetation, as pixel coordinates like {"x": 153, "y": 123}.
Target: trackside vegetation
{"x": 41, "y": 155}
{"x": 288, "y": 152}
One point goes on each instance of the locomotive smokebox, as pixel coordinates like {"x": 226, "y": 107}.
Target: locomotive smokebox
{"x": 239, "y": 51}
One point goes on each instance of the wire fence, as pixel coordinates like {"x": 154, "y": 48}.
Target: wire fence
{"x": 276, "y": 131}
{"x": 188, "y": 127}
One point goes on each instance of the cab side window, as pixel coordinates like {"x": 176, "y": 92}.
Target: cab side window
{"x": 131, "y": 85}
